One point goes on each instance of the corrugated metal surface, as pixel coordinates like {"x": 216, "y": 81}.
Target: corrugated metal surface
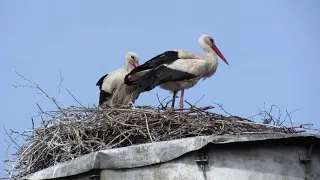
{"x": 178, "y": 159}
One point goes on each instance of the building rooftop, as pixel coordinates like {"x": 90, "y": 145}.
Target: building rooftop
{"x": 159, "y": 152}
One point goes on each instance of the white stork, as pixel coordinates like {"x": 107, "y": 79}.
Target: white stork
{"x": 177, "y": 70}
{"x": 113, "y": 91}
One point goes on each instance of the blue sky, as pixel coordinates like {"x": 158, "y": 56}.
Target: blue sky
{"x": 272, "y": 48}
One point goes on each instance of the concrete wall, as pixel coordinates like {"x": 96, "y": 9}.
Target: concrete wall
{"x": 231, "y": 162}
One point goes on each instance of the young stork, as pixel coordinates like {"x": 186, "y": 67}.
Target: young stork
{"x": 113, "y": 91}
{"x": 177, "y": 70}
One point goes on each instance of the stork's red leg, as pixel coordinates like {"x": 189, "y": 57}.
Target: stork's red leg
{"x": 181, "y": 99}
{"x": 174, "y": 98}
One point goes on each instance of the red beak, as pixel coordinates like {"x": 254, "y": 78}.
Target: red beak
{"x": 214, "y": 47}
{"x": 135, "y": 64}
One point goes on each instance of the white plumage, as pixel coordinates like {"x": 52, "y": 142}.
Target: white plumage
{"x": 113, "y": 91}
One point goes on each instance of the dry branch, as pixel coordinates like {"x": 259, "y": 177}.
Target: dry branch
{"x": 74, "y": 131}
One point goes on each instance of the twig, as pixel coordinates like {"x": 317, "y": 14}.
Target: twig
{"x": 32, "y": 126}
{"x": 11, "y": 137}
{"x": 160, "y": 103}
{"x": 36, "y": 86}
{"x": 146, "y": 118}
{"x": 268, "y": 117}
{"x": 222, "y": 108}
{"x": 40, "y": 108}
{"x": 191, "y": 106}
{"x": 261, "y": 132}
{"x": 75, "y": 98}
{"x": 288, "y": 115}
{"x": 59, "y": 86}
{"x": 199, "y": 100}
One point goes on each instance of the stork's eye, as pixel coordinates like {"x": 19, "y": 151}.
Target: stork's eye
{"x": 211, "y": 40}
{"x": 132, "y": 57}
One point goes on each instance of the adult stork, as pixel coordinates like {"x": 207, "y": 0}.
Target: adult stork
{"x": 177, "y": 69}
{"x": 113, "y": 91}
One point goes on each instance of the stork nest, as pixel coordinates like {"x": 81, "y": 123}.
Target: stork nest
{"x": 72, "y": 132}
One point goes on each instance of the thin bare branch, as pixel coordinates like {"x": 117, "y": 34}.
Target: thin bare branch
{"x": 9, "y": 135}
{"x": 75, "y": 98}
{"x": 222, "y": 108}
{"x": 60, "y": 83}
{"x": 36, "y": 86}
{"x": 59, "y": 86}
{"x": 199, "y": 100}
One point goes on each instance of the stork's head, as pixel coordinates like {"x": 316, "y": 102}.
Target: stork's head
{"x": 131, "y": 60}
{"x": 208, "y": 40}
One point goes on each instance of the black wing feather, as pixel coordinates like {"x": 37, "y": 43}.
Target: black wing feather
{"x": 104, "y": 96}
{"x": 100, "y": 82}
{"x": 159, "y": 76}
{"x": 166, "y": 57}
